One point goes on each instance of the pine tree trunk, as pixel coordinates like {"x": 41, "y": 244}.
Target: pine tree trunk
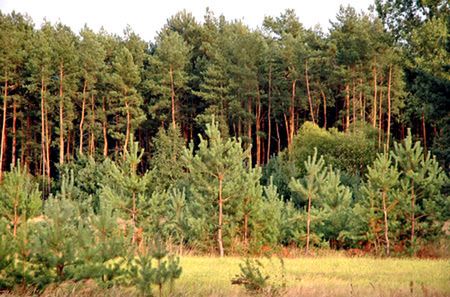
{"x": 278, "y": 137}
{"x": 16, "y": 215}
{"x": 374, "y": 107}
{"x": 219, "y": 231}
{"x": 246, "y": 223}
{"x": 83, "y": 108}
{"x": 47, "y": 143}
{"x": 69, "y": 138}
{"x": 27, "y": 141}
{"x": 380, "y": 122}
{"x": 386, "y": 227}
{"x": 424, "y": 131}
{"x": 324, "y": 97}
{"x": 354, "y": 104}
{"x": 92, "y": 141}
{"x": 309, "y": 93}
{"x": 292, "y": 115}
{"x": 61, "y": 115}
{"x": 258, "y": 127}
{"x": 388, "y": 128}
{"x": 413, "y": 215}
{"x": 308, "y": 224}
{"x": 43, "y": 151}
{"x": 362, "y": 110}
{"x": 3, "y": 140}
{"x": 172, "y": 91}
{"x": 14, "y": 132}
{"x": 269, "y": 109}
{"x": 249, "y": 130}
{"x": 127, "y": 134}
{"x": 133, "y": 216}
{"x": 288, "y": 133}
{"x": 347, "y": 107}
{"x": 105, "y": 133}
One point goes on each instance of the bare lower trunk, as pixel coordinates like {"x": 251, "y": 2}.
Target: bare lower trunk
{"x": 308, "y": 224}
{"x": 246, "y": 229}
{"x": 386, "y": 227}
{"x": 14, "y": 132}
{"x": 105, "y": 132}
{"x": 3, "y": 140}
{"x": 16, "y": 217}
{"x": 83, "y": 108}
{"x": 388, "y": 128}
{"x": 133, "y": 216}
{"x": 354, "y": 104}
{"x": 61, "y": 115}
{"x": 269, "y": 109}
{"x": 92, "y": 134}
{"x": 127, "y": 134}
{"x": 278, "y": 138}
{"x": 219, "y": 231}
{"x": 249, "y": 130}
{"x": 324, "y": 108}
{"x": 47, "y": 144}
{"x": 413, "y": 215}
{"x": 309, "y": 93}
{"x": 347, "y": 107}
{"x": 424, "y": 131}
{"x": 362, "y": 110}
{"x": 258, "y": 127}
{"x": 43, "y": 151}
{"x": 380, "y": 123}
{"x": 172, "y": 92}
{"x": 374, "y": 106}
{"x": 292, "y": 115}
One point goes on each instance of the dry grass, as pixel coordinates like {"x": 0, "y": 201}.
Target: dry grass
{"x": 311, "y": 277}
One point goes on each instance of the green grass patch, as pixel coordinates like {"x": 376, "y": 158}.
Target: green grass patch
{"x": 207, "y": 276}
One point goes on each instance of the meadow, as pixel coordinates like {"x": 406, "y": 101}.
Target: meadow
{"x": 305, "y": 276}
{"x": 322, "y": 276}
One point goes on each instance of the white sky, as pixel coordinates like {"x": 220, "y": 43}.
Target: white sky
{"x": 148, "y": 17}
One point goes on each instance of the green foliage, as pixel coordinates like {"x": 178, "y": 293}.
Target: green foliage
{"x": 216, "y": 168}
{"x": 251, "y": 276}
{"x": 348, "y": 152}
{"x": 125, "y": 187}
{"x": 20, "y": 198}
{"x": 153, "y": 268}
{"x": 166, "y": 162}
{"x": 256, "y": 282}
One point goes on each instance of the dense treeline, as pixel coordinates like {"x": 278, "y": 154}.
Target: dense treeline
{"x": 219, "y": 138}
{"x": 68, "y": 94}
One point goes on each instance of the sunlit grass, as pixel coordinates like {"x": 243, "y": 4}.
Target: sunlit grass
{"x": 211, "y": 275}
{"x": 306, "y": 276}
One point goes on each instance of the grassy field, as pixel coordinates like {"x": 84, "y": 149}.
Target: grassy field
{"x": 322, "y": 276}
{"x": 318, "y": 276}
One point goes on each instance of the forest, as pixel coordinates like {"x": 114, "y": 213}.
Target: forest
{"x": 220, "y": 139}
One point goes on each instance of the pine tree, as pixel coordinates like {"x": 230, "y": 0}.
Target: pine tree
{"x": 92, "y": 58}
{"x": 215, "y": 170}
{"x": 20, "y": 198}
{"x": 13, "y": 30}
{"x": 57, "y": 243}
{"x": 144, "y": 275}
{"x": 126, "y": 78}
{"x": 66, "y": 60}
{"x": 421, "y": 175}
{"x": 309, "y": 187}
{"x": 382, "y": 184}
{"x": 125, "y": 188}
{"x": 335, "y": 208}
{"x": 168, "y": 76}
{"x": 166, "y": 163}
